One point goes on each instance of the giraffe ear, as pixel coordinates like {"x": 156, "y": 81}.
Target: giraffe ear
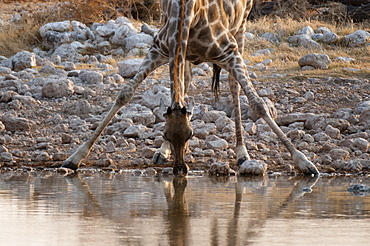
{"x": 190, "y": 108}
{"x": 169, "y": 111}
{"x": 163, "y": 109}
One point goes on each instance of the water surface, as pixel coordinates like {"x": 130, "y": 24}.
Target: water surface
{"x": 94, "y": 208}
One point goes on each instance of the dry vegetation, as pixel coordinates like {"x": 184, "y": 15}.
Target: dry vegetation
{"x": 285, "y": 57}
{"x": 23, "y": 33}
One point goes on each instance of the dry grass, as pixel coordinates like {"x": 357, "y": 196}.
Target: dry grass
{"x": 285, "y": 57}
{"x": 23, "y": 34}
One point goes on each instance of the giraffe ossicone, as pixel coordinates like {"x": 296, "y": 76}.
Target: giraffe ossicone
{"x": 197, "y": 31}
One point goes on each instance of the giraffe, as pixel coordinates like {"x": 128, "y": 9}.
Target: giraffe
{"x": 196, "y": 31}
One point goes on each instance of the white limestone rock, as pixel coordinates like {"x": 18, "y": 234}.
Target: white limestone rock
{"x": 303, "y": 41}
{"x": 81, "y": 108}
{"x": 6, "y": 157}
{"x": 66, "y": 52}
{"x": 358, "y": 38}
{"x": 62, "y": 26}
{"x": 271, "y": 37}
{"x": 213, "y": 115}
{"x": 318, "y": 61}
{"x": 203, "y": 130}
{"x": 216, "y": 143}
{"x": 135, "y": 131}
{"x": 134, "y": 41}
{"x": 139, "y": 114}
{"x": 23, "y": 60}
{"x": 361, "y": 144}
{"x": 330, "y": 38}
{"x": 151, "y": 98}
{"x": 361, "y": 106}
{"x": 307, "y": 30}
{"x": 14, "y": 123}
{"x": 57, "y": 88}
{"x": 253, "y": 167}
{"x": 129, "y": 68}
{"x": 339, "y": 154}
{"x": 92, "y": 77}
{"x": 220, "y": 169}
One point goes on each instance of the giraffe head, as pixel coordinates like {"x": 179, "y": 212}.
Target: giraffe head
{"x": 178, "y": 132}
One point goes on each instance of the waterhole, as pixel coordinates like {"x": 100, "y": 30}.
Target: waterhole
{"x": 100, "y": 208}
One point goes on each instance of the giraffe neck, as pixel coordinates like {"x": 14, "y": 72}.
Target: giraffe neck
{"x": 178, "y": 75}
{"x": 179, "y": 27}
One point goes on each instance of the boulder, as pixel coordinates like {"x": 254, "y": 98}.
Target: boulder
{"x": 121, "y": 34}
{"x": 318, "y": 61}
{"x": 82, "y": 108}
{"x": 135, "y": 131}
{"x": 358, "y": 38}
{"x": 253, "y": 167}
{"x": 330, "y": 38}
{"x": 91, "y": 76}
{"x": 203, "y": 130}
{"x": 151, "y": 98}
{"x": 66, "y": 52}
{"x": 307, "y": 31}
{"x": 17, "y": 123}
{"x": 129, "y": 68}
{"x": 57, "y": 88}
{"x": 216, "y": 143}
{"x": 271, "y": 37}
{"x": 220, "y": 169}
{"x": 135, "y": 41}
{"x": 139, "y": 114}
{"x": 293, "y": 117}
{"x": 62, "y": 26}
{"x": 304, "y": 41}
{"x": 23, "y": 60}
{"x": 213, "y": 115}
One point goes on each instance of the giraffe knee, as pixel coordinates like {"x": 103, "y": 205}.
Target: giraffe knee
{"x": 260, "y": 108}
{"x": 264, "y": 107}
{"x": 125, "y": 96}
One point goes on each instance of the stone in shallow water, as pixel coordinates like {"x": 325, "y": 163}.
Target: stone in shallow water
{"x": 221, "y": 168}
{"x": 253, "y": 167}
{"x": 359, "y": 190}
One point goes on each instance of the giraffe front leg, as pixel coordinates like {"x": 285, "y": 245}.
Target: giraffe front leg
{"x": 152, "y": 60}
{"x": 303, "y": 163}
{"x": 162, "y": 154}
{"x": 83, "y": 151}
{"x": 235, "y": 66}
{"x": 242, "y": 154}
{"x": 75, "y": 159}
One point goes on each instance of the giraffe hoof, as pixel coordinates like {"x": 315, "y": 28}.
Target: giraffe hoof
{"x": 70, "y": 165}
{"x": 306, "y": 166}
{"x": 241, "y": 161}
{"x": 180, "y": 170}
{"x": 159, "y": 159}
{"x": 311, "y": 170}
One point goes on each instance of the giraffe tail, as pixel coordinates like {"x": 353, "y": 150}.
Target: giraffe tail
{"x": 216, "y": 80}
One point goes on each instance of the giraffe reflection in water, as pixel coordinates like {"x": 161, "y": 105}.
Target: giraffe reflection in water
{"x": 177, "y": 217}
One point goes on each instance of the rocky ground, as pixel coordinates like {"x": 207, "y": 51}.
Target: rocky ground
{"x": 51, "y": 99}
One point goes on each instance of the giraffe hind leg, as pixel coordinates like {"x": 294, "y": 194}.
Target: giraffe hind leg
{"x": 235, "y": 66}
{"x": 241, "y": 151}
